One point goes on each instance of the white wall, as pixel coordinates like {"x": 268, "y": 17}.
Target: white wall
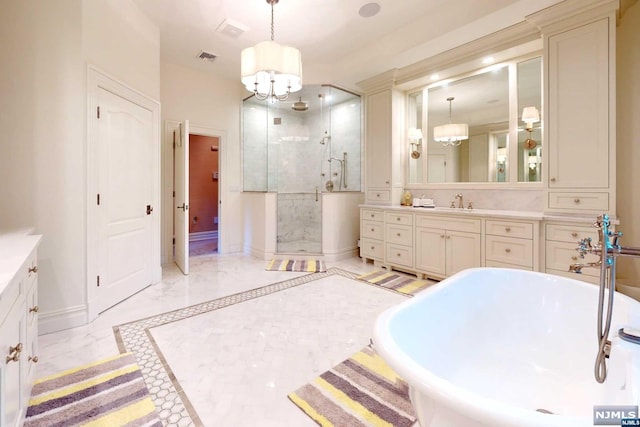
{"x": 628, "y": 138}
{"x": 42, "y": 99}
{"x": 210, "y": 101}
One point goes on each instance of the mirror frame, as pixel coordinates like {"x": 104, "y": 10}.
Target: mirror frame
{"x": 514, "y": 124}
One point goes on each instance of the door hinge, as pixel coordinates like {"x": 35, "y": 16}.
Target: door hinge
{"x": 98, "y": 198}
{"x": 174, "y": 139}
{"x": 174, "y": 194}
{"x": 98, "y": 111}
{"x": 98, "y": 281}
{"x": 174, "y": 240}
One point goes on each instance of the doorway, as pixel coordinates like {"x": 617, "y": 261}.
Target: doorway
{"x": 204, "y": 176}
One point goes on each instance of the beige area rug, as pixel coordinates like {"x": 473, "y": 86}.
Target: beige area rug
{"x": 398, "y": 282}
{"x": 306, "y": 265}
{"x": 107, "y": 393}
{"x": 361, "y": 391}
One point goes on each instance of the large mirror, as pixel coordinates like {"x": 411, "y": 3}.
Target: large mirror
{"x": 464, "y": 127}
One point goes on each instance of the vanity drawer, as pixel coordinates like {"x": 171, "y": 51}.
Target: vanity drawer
{"x": 372, "y": 215}
{"x": 522, "y": 230}
{"x": 399, "y": 255}
{"x": 509, "y": 250}
{"x": 9, "y": 296}
{"x": 570, "y": 232}
{"x": 371, "y": 249}
{"x": 399, "y": 234}
{"x": 471, "y": 225}
{"x": 379, "y": 195}
{"x": 372, "y": 230}
{"x": 579, "y": 201}
{"x": 559, "y": 255}
{"x": 399, "y": 218}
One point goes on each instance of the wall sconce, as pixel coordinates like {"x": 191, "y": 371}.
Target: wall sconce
{"x": 415, "y": 136}
{"x": 530, "y": 115}
{"x": 533, "y": 163}
{"x": 501, "y": 157}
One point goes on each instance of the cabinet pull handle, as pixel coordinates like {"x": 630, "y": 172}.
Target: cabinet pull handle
{"x": 33, "y": 359}
{"x": 574, "y": 258}
{"x": 14, "y": 353}
{"x": 574, "y": 234}
{"x": 576, "y": 201}
{"x": 448, "y": 237}
{"x": 398, "y": 255}
{"x": 378, "y": 195}
{"x": 373, "y": 215}
{"x": 442, "y": 236}
{"x": 373, "y": 229}
{"x": 552, "y": 179}
{"x": 398, "y": 234}
{"x": 373, "y": 247}
{"x": 507, "y": 250}
{"x": 398, "y": 219}
{"x": 33, "y": 269}
{"x": 34, "y": 309}
{"x": 507, "y": 229}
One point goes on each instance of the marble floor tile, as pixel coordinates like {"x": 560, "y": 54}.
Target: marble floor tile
{"x": 226, "y": 344}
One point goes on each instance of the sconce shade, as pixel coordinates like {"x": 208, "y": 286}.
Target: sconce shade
{"x": 451, "y": 132}
{"x": 530, "y": 115}
{"x": 415, "y": 134}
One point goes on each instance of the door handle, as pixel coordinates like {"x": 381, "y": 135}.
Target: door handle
{"x": 149, "y": 209}
{"x": 183, "y": 207}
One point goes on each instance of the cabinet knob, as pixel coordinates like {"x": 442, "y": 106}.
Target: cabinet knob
{"x": 552, "y": 179}
{"x": 33, "y": 359}
{"x": 398, "y": 255}
{"x": 14, "y": 353}
{"x": 507, "y": 250}
{"x": 448, "y": 237}
{"x": 574, "y": 258}
{"x": 373, "y": 229}
{"x": 373, "y": 215}
{"x": 398, "y": 234}
{"x": 34, "y": 309}
{"x": 574, "y": 234}
{"x": 373, "y": 247}
{"x": 507, "y": 229}
{"x": 378, "y": 195}
{"x": 442, "y": 236}
{"x": 33, "y": 269}
{"x": 576, "y": 201}
{"x": 386, "y": 182}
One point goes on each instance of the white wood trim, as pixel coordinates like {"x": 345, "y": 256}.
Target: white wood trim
{"x": 203, "y": 235}
{"x": 96, "y": 79}
{"x": 59, "y": 320}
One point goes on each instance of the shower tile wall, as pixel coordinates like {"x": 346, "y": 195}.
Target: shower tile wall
{"x": 345, "y": 137}
{"x": 299, "y": 218}
{"x": 254, "y": 149}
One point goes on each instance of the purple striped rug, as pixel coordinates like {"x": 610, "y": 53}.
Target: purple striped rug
{"x": 110, "y": 392}
{"x": 361, "y": 391}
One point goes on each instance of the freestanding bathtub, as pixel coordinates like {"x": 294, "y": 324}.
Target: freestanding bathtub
{"x": 501, "y": 347}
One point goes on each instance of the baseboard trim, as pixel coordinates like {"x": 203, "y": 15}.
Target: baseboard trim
{"x": 62, "y": 319}
{"x": 203, "y": 235}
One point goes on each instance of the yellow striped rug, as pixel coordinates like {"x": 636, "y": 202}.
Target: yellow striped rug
{"x": 107, "y": 393}
{"x": 398, "y": 282}
{"x": 361, "y": 391}
{"x": 300, "y": 265}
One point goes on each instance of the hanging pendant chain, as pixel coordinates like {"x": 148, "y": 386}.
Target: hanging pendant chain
{"x": 271, "y": 21}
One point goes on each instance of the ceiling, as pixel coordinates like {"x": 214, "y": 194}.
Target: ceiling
{"x": 337, "y": 44}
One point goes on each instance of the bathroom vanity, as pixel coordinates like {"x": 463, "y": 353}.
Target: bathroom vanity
{"x": 18, "y": 323}
{"x": 439, "y": 242}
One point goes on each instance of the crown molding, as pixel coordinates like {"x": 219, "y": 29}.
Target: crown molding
{"x": 560, "y": 16}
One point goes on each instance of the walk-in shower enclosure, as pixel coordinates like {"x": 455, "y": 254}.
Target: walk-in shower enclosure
{"x": 301, "y": 153}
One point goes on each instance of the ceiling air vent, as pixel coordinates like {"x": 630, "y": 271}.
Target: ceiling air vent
{"x": 231, "y": 28}
{"x": 206, "y": 56}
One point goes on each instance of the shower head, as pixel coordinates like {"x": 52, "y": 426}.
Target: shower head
{"x": 299, "y": 105}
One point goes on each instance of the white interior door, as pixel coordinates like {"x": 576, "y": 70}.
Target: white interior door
{"x": 181, "y": 174}
{"x": 125, "y": 193}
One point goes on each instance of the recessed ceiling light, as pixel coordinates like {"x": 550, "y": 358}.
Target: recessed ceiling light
{"x": 488, "y": 60}
{"x": 369, "y": 10}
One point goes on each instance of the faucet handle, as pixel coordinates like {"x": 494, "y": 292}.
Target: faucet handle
{"x": 453, "y": 204}
{"x": 584, "y": 246}
{"x": 470, "y": 205}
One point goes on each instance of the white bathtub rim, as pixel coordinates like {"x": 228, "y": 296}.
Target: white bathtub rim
{"x": 455, "y": 398}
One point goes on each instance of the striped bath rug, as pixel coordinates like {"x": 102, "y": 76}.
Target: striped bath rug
{"x": 361, "y": 391}
{"x": 299, "y": 265}
{"x": 398, "y": 282}
{"x": 107, "y": 393}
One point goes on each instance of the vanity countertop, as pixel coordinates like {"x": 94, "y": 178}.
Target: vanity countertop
{"x": 15, "y": 247}
{"x": 491, "y": 213}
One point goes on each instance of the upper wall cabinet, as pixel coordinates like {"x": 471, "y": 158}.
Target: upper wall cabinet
{"x": 580, "y": 114}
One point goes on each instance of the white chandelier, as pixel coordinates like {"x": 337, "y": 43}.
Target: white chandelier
{"x": 270, "y": 70}
{"x": 451, "y": 133}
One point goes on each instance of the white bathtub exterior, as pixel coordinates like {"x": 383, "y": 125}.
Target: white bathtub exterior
{"x": 489, "y": 346}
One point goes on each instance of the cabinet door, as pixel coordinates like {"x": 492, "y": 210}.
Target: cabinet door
{"x": 579, "y": 102}
{"x": 11, "y": 334}
{"x": 430, "y": 250}
{"x": 378, "y": 146}
{"x": 463, "y": 251}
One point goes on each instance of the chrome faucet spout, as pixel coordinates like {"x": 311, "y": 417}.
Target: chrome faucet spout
{"x": 460, "y": 203}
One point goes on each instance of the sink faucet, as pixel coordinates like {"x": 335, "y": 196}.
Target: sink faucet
{"x": 460, "y": 204}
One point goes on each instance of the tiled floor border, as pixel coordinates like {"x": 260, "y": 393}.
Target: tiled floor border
{"x": 173, "y": 405}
